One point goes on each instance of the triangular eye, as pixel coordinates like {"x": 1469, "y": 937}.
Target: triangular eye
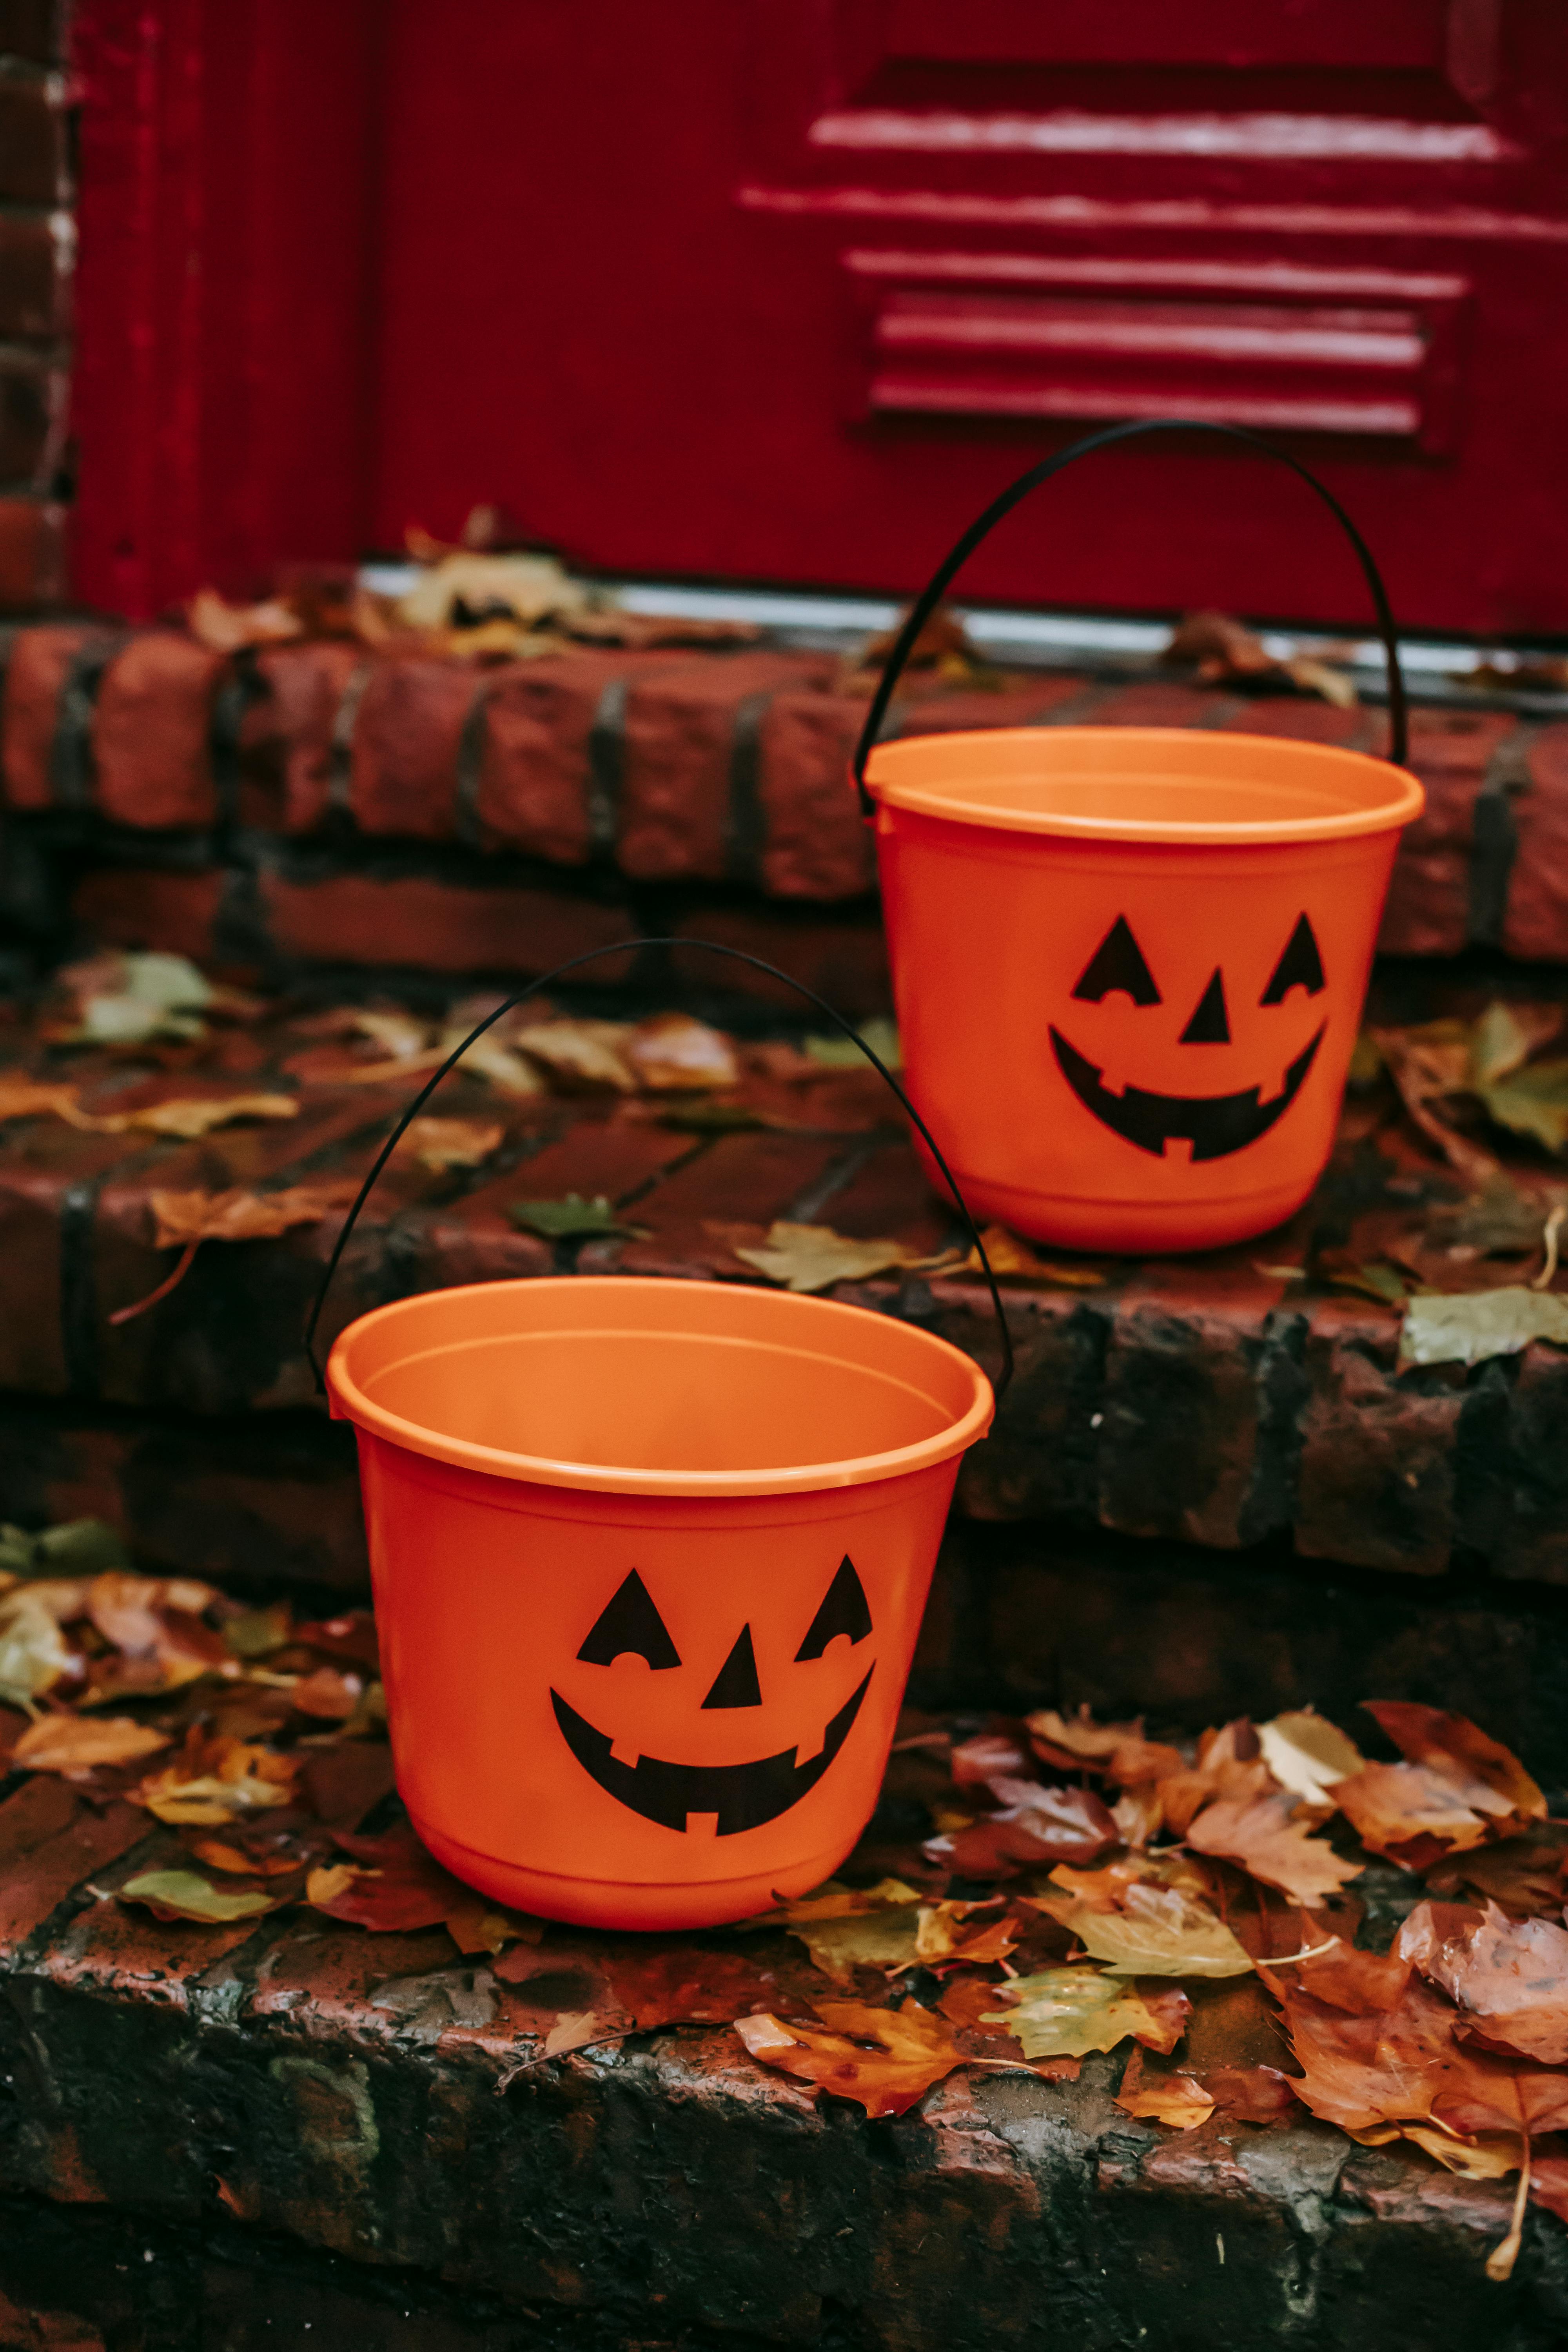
{"x": 630, "y": 1621}
{"x": 737, "y": 1684}
{"x": 1117, "y": 963}
{"x": 1300, "y": 966}
{"x": 843, "y": 1609}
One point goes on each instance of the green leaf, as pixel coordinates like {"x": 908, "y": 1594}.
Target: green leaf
{"x": 1468, "y": 1327}
{"x": 1068, "y": 2012}
{"x": 571, "y": 1219}
{"x": 712, "y": 1118}
{"x": 1379, "y": 1282}
{"x": 255, "y": 1632}
{"x": 191, "y": 1897}
{"x": 1532, "y": 1101}
{"x": 840, "y": 1053}
{"x": 80, "y": 1547}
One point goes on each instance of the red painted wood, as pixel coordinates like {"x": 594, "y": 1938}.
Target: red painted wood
{"x": 783, "y": 292}
{"x": 220, "y": 401}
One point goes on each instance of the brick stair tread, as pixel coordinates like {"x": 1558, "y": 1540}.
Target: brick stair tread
{"x": 338, "y": 2090}
{"x": 1214, "y": 1400}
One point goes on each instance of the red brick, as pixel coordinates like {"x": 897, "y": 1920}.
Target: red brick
{"x": 32, "y": 553}
{"x": 843, "y": 956}
{"x": 148, "y": 907}
{"x": 679, "y": 735}
{"x": 407, "y": 733}
{"x": 1376, "y": 1486}
{"x": 51, "y": 1840}
{"x": 30, "y": 289}
{"x": 1161, "y": 702}
{"x": 290, "y": 737}
{"x": 151, "y": 729}
{"x": 31, "y": 390}
{"x": 31, "y": 150}
{"x": 740, "y": 1179}
{"x": 1536, "y": 927}
{"x": 816, "y": 844}
{"x": 889, "y": 1198}
{"x": 441, "y": 927}
{"x": 32, "y": 29}
{"x": 40, "y": 664}
{"x": 119, "y": 1951}
{"x": 534, "y": 786}
{"x": 42, "y": 1163}
{"x": 950, "y": 709}
{"x": 1304, "y": 722}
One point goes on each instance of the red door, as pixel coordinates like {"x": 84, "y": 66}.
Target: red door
{"x": 782, "y": 289}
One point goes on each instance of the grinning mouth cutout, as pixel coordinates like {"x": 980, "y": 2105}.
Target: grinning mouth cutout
{"x": 1215, "y": 1124}
{"x": 743, "y": 1796}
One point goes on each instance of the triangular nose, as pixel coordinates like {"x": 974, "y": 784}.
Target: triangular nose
{"x": 1210, "y": 1024}
{"x": 737, "y": 1684}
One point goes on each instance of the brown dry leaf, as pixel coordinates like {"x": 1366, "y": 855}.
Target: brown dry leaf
{"x": 24, "y": 1098}
{"x": 1523, "y": 1875}
{"x": 1118, "y": 1749}
{"x": 327, "y": 1694}
{"x": 1178, "y": 2100}
{"x": 1430, "y": 1064}
{"x": 191, "y": 1117}
{"x": 1267, "y": 1836}
{"x": 441, "y": 1144}
{"x": 1013, "y": 1260}
{"x": 1230, "y": 1764}
{"x": 1306, "y": 1754}
{"x": 883, "y": 2059}
{"x": 392, "y": 1884}
{"x": 258, "y": 1861}
{"x": 673, "y": 1054}
{"x": 1035, "y": 1824}
{"x": 475, "y": 1925}
{"x": 226, "y": 629}
{"x": 217, "y": 1778}
{"x": 953, "y": 1934}
{"x": 1507, "y": 1977}
{"x": 989, "y": 1756}
{"x": 1226, "y": 652}
{"x": 583, "y": 1054}
{"x": 1373, "y": 2042}
{"x": 1458, "y": 1789}
{"x": 1066, "y": 2012}
{"x": 813, "y": 1257}
{"x": 70, "y": 1743}
{"x": 1156, "y": 1931}
{"x": 1253, "y": 2095}
{"x": 181, "y": 1219}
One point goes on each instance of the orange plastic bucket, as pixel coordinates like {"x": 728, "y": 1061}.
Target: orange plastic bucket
{"x": 649, "y": 1562}
{"x": 1130, "y": 963}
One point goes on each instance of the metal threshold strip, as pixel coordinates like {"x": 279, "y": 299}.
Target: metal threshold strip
{"x": 1437, "y": 669}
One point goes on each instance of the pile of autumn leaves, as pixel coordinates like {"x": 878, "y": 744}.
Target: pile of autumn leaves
{"x": 1122, "y": 1869}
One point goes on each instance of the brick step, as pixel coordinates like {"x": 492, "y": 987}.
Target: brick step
{"x": 302, "y": 2086}
{"x": 267, "y": 780}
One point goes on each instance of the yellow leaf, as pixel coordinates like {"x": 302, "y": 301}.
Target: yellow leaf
{"x": 1176, "y": 2099}
{"x": 1306, "y": 1754}
{"x": 1157, "y": 1931}
{"x": 813, "y": 1257}
{"x": 70, "y": 1743}
{"x": 1066, "y": 2012}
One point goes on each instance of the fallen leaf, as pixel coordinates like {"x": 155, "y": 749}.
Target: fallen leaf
{"x": 1306, "y": 1754}
{"x": 673, "y": 1054}
{"x": 525, "y": 587}
{"x": 1035, "y": 1824}
{"x": 813, "y": 1257}
{"x": 216, "y": 1778}
{"x": 883, "y": 2059}
{"x": 1013, "y": 1261}
{"x": 256, "y": 1633}
{"x": 1066, "y": 2012}
{"x": 1504, "y": 1037}
{"x": 1458, "y": 1789}
{"x": 839, "y": 1053}
{"x": 395, "y": 1886}
{"x": 1178, "y": 2100}
{"x": 441, "y": 1144}
{"x": 1230, "y": 1764}
{"x": 70, "y": 1743}
{"x": 1533, "y": 1102}
{"x": 1468, "y": 1327}
{"x": 225, "y": 627}
{"x": 1265, "y": 1835}
{"x": 955, "y": 1933}
{"x": 259, "y": 1860}
{"x": 191, "y": 1117}
{"x": 1253, "y": 2095}
{"x": 988, "y": 1756}
{"x": 34, "y": 1653}
{"x": 1156, "y": 1931}
{"x": 586, "y": 1054}
{"x": 1507, "y": 1977}
{"x": 568, "y": 1220}
{"x": 475, "y": 1925}
{"x": 1225, "y": 651}
{"x": 185, "y": 1894}
{"x": 1523, "y": 1874}
{"x": 328, "y": 1694}
{"x": 182, "y": 1218}
{"x": 578, "y": 2030}
{"x": 24, "y": 1098}
{"x": 1118, "y": 1749}
{"x": 885, "y": 1939}
{"x": 1429, "y": 1063}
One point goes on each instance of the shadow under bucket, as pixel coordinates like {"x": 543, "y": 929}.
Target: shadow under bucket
{"x": 649, "y": 1562}
{"x": 1129, "y": 963}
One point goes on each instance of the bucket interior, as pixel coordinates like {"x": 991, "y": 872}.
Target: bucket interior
{"x": 1147, "y": 783}
{"x": 632, "y": 1388}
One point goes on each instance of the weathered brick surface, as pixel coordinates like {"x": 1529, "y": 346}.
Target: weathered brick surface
{"x": 30, "y": 289}
{"x": 32, "y": 552}
{"x": 675, "y": 767}
{"x": 32, "y": 153}
{"x": 1212, "y": 1400}
{"x": 430, "y": 925}
{"x": 306, "y": 2087}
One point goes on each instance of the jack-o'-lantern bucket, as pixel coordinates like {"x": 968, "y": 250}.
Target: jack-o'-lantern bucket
{"x": 649, "y": 1560}
{"x": 1129, "y": 963}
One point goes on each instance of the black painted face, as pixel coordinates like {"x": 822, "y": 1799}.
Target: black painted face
{"x": 738, "y": 1796}
{"x": 1215, "y": 1123}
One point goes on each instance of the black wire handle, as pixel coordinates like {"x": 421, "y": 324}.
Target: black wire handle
{"x": 592, "y": 955}
{"x": 936, "y": 587}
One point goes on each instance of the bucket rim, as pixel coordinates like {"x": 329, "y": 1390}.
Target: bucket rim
{"x": 1404, "y": 796}
{"x": 349, "y": 1402}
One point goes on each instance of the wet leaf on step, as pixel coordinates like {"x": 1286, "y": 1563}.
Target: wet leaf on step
{"x": 841, "y": 1053}
{"x": 1013, "y": 1261}
{"x": 240, "y": 1215}
{"x": 70, "y": 1743}
{"x": 674, "y": 1053}
{"x": 813, "y": 1257}
{"x": 883, "y": 2059}
{"x": 1066, "y": 2012}
{"x": 1157, "y": 1931}
{"x": 1267, "y": 1834}
{"x": 572, "y": 1219}
{"x": 1306, "y": 1754}
{"x": 589, "y": 1055}
{"x": 1180, "y": 2101}
{"x": 185, "y": 1894}
{"x": 1507, "y": 1977}
{"x": 1470, "y": 1326}
{"x": 1458, "y": 1788}
{"x": 441, "y": 1144}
